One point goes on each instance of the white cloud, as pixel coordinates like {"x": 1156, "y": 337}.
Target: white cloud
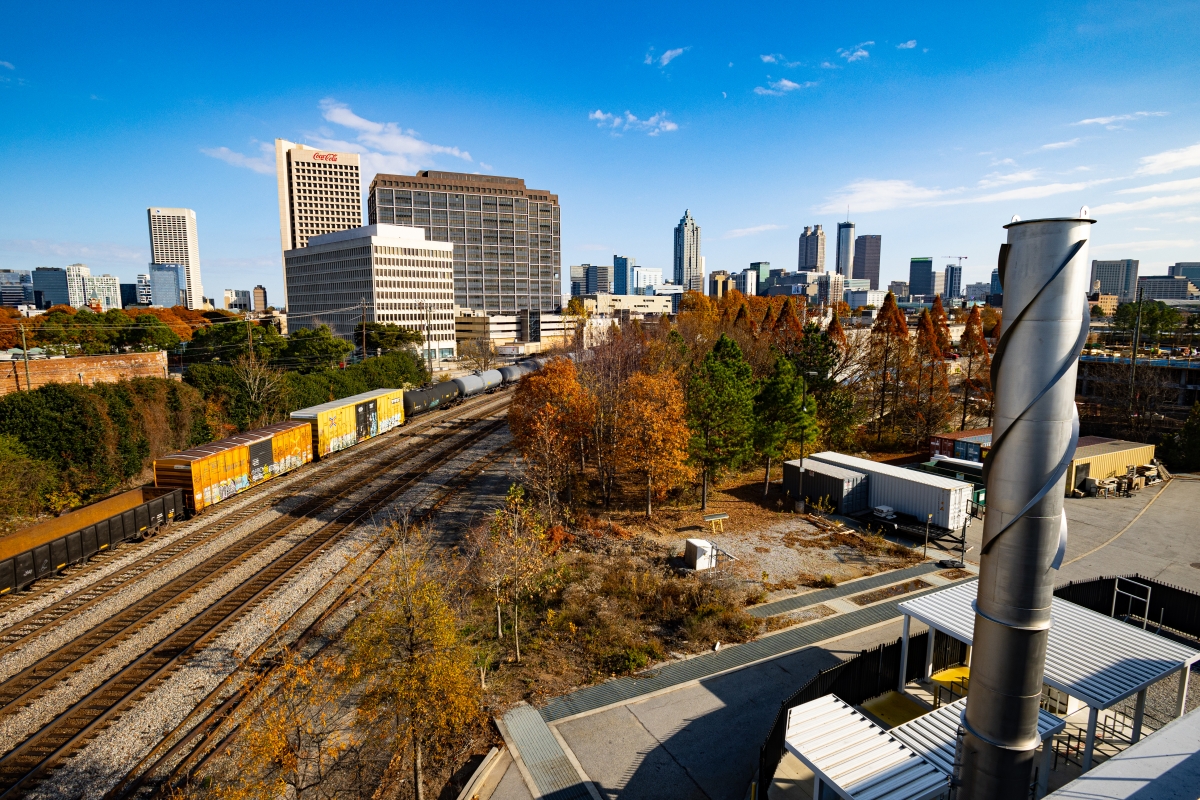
{"x": 7, "y": 65}
{"x": 617, "y": 123}
{"x": 858, "y": 51}
{"x": 909, "y": 45}
{"x": 671, "y": 55}
{"x": 1000, "y": 161}
{"x": 881, "y": 195}
{"x": 1120, "y": 118}
{"x": 1170, "y": 201}
{"x": 1032, "y": 192}
{"x": 1170, "y": 160}
{"x": 1060, "y": 145}
{"x": 100, "y": 252}
{"x": 383, "y": 146}
{"x": 1152, "y": 244}
{"x": 1167, "y": 186}
{"x": 782, "y": 86}
{"x": 781, "y": 59}
{"x": 1001, "y": 179}
{"x": 738, "y": 233}
{"x": 828, "y": 65}
{"x": 263, "y": 163}
{"x": 769, "y": 59}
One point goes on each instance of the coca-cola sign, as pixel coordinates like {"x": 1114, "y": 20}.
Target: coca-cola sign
{"x": 325, "y": 156}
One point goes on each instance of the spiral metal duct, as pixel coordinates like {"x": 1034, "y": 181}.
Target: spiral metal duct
{"x": 1043, "y": 270}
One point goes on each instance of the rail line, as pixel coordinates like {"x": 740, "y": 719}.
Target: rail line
{"x": 204, "y": 733}
{"x": 258, "y": 499}
{"x": 22, "y": 630}
{"x": 25, "y": 763}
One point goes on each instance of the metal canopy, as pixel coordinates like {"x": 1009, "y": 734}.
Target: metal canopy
{"x": 1097, "y": 659}
{"x": 855, "y": 757}
{"x": 933, "y": 735}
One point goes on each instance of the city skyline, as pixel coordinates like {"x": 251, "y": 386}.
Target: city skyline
{"x": 624, "y": 139}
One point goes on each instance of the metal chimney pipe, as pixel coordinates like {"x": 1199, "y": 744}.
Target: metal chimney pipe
{"x": 1044, "y": 275}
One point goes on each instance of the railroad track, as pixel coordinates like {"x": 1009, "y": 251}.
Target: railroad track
{"x": 27, "y": 762}
{"x": 202, "y": 736}
{"x": 268, "y": 494}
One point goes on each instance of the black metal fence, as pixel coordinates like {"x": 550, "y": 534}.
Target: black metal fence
{"x": 856, "y": 680}
{"x": 1173, "y": 611}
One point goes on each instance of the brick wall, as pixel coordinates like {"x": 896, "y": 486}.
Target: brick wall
{"x": 82, "y": 369}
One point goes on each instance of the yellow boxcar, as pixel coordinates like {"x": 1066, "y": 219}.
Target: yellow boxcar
{"x": 214, "y": 472}
{"x": 346, "y": 422}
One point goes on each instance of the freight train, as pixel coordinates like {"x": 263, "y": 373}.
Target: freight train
{"x": 190, "y": 481}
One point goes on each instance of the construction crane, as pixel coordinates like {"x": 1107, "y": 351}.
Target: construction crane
{"x": 960, "y": 258}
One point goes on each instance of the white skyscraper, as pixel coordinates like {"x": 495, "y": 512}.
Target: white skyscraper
{"x": 77, "y": 275}
{"x": 319, "y": 192}
{"x": 173, "y": 241}
{"x": 145, "y": 295}
{"x": 689, "y": 264}
{"x": 845, "y": 249}
{"x": 104, "y": 289}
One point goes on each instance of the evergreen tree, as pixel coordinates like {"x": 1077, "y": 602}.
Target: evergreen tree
{"x": 783, "y": 413}
{"x": 720, "y": 407}
{"x": 1181, "y": 452}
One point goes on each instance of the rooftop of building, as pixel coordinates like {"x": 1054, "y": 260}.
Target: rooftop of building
{"x": 406, "y": 235}
{"x": 463, "y": 182}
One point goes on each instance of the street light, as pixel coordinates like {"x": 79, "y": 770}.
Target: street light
{"x": 928, "y": 520}
{"x": 803, "y": 408}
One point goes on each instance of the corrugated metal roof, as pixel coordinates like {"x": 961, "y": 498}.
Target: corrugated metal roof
{"x": 973, "y": 435}
{"x": 833, "y": 470}
{"x": 1098, "y": 659}
{"x": 857, "y": 758}
{"x": 844, "y": 590}
{"x": 304, "y": 413}
{"x": 868, "y": 466}
{"x": 1104, "y": 448}
{"x": 543, "y": 756}
{"x": 933, "y": 735}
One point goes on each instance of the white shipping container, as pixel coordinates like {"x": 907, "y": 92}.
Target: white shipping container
{"x": 908, "y": 491}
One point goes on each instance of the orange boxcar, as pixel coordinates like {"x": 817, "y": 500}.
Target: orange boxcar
{"x": 214, "y": 472}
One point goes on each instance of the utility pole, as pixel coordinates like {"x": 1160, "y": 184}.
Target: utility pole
{"x": 428, "y": 338}
{"x": 25, "y": 351}
{"x": 1137, "y": 335}
{"x": 249, "y": 339}
{"x": 363, "y": 302}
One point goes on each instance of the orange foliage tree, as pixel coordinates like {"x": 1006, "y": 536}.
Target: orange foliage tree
{"x": 652, "y": 434}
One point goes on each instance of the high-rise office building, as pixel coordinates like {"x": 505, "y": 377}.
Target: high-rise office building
{"x": 812, "y": 249}
{"x": 1187, "y": 269}
{"x": 397, "y": 275}
{"x": 260, "y": 298}
{"x": 102, "y": 290}
{"x": 16, "y": 287}
{"x": 237, "y": 299}
{"x": 644, "y": 278}
{"x": 763, "y": 269}
{"x": 173, "y": 241}
{"x": 623, "y": 274}
{"x": 689, "y": 264}
{"x": 77, "y": 275}
{"x": 746, "y": 282}
{"x": 578, "y": 280}
{"x": 1117, "y": 277}
{"x": 50, "y": 287}
{"x": 831, "y": 287}
{"x": 866, "y": 258}
{"x": 168, "y": 285}
{"x": 597, "y": 279}
{"x": 920, "y": 276}
{"x": 845, "y": 248}
{"x": 319, "y": 192}
{"x": 1166, "y": 287}
{"x": 144, "y": 295}
{"x": 899, "y": 289}
{"x": 505, "y": 236}
{"x": 719, "y": 284}
{"x": 953, "y": 281}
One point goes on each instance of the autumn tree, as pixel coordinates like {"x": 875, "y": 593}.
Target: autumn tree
{"x": 887, "y": 357}
{"x": 976, "y": 380}
{"x": 927, "y": 395}
{"x": 478, "y": 353}
{"x": 411, "y": 670}
{"x": 652, "y": 435}
{"x": 604, "y": 376}
{"x": 720, "y": 404}
{"x": 550, "y": 417}
{"x": 941, "y": 325}
{"x": 783, "y": 414}
{"x": 787, "y": 332}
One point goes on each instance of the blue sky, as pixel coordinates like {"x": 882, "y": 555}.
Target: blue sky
{"x": 934, "y": 123}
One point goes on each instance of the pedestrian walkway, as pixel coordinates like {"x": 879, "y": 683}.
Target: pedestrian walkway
{"x": 845, "y": 590}
{"x": 534, "y": 746}
{"x": 732, "y": 657}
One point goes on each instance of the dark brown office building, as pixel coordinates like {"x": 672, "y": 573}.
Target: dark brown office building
{"x": 507, "y": 256}
{"x": 866, "y": 258}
